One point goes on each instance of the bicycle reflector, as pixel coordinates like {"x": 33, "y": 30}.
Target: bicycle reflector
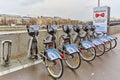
{"x": 80, "y": 50}
{"x": 62, "y": 55}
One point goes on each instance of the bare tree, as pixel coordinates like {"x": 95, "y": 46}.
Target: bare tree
{"x": 33, "y": 21}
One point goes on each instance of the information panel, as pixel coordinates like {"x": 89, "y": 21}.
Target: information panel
{"x": 101, "y": 16}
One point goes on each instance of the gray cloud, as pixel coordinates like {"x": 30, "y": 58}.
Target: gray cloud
{"x": 75, "y": 9}
{"x": 31, "y": 2}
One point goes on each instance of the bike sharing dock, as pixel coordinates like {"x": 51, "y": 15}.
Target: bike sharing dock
{"x": 19, "y": 45}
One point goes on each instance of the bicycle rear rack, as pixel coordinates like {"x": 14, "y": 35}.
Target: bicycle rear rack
{"x": 5, "y": 59}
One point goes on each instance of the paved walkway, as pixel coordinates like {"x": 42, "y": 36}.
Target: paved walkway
{"x": 106, "y": 67}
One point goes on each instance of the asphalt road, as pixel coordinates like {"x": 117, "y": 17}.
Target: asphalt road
{"x": 106, "y": 67}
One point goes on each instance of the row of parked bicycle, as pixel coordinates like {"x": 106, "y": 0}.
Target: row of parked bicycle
{"x": 85, "y": 44}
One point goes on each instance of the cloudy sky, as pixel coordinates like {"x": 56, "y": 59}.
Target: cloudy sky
{"x": 74, "y": 9}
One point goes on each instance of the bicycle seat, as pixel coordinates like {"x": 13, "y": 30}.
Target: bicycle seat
{"x": 48, "y": 42}
{"x": 66, "y": 38}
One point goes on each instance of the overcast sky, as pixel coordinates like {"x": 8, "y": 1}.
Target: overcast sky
{"x": 74, "y": 9}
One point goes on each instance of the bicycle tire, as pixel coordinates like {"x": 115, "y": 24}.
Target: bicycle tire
{"x": 113, "y": 43}
{"x": 86, "y": 57}
{"x": 74, "y": 61}
{"x": 100, "y": 50}
{"x": 51, "y": 70}
{"x": 108, "y": 46}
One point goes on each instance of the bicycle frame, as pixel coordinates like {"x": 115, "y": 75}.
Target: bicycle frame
{"x": 30, "y": 44}
{"x": 51, "y": 51}
{"x": 98, "y": 40}
{"x": 70, "y": 48}
{"x": 84, "y": 44}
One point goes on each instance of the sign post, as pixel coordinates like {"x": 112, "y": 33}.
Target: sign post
{"x": 101, "y": 16}
{"x": 98, "y": 3}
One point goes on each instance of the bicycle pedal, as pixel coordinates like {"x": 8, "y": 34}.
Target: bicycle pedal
{"x": 36, "y": 57}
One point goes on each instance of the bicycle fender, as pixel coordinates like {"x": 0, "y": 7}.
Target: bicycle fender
{"x": 52, "y": 54}
{"x": 97, "y": 42}
{"x": 104, "y": 39}
{"x": 71, "y": 48}
{"x": 111, "y": 37}
{"x": 87, "y": 44}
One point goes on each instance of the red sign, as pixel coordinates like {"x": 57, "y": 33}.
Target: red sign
{"x": 100, "y": 15}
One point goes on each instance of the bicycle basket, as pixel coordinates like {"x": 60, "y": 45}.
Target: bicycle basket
{"x": 52, "y": 29}
{"x": 77, "y": 28}
{"x": 67, "y": 28}
{"x": 93, "y": 28}
{"x": 33, "y": 30}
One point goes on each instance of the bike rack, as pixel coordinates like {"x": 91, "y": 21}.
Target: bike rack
{"x": 5, "y": 60}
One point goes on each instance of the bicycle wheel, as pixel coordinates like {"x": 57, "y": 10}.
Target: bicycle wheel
{"x": 100, "y": 50}
{"x": 113, "y": 43}
{"x": 55, "y": 68}
{"x": 34, "y": 50}
{"x": 107, "y": 46}
{"x": 73, "y": 61}
{"x": 88, "y": 54}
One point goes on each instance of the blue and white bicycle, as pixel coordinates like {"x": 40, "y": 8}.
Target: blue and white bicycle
{"x": 110, "y": 42}
{"x": 50, "y": 56}
{"x": 53, "y": 60}
{"x": 71, "y": 53}
{"x": 99, "y": 44}
{"x": 87, "y": 48}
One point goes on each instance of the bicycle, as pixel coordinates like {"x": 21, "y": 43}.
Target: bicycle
{"x": 51, "y": 58}
{"x": 53, "y": 61}
{"x": 87, "y": 48}
{"x": 72, "y": 57}
{"x": 110, "y": 41}
{"x": 99, "y": 44}
{"x": 33, "y": 31}
{"x": 52, "y": 30}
